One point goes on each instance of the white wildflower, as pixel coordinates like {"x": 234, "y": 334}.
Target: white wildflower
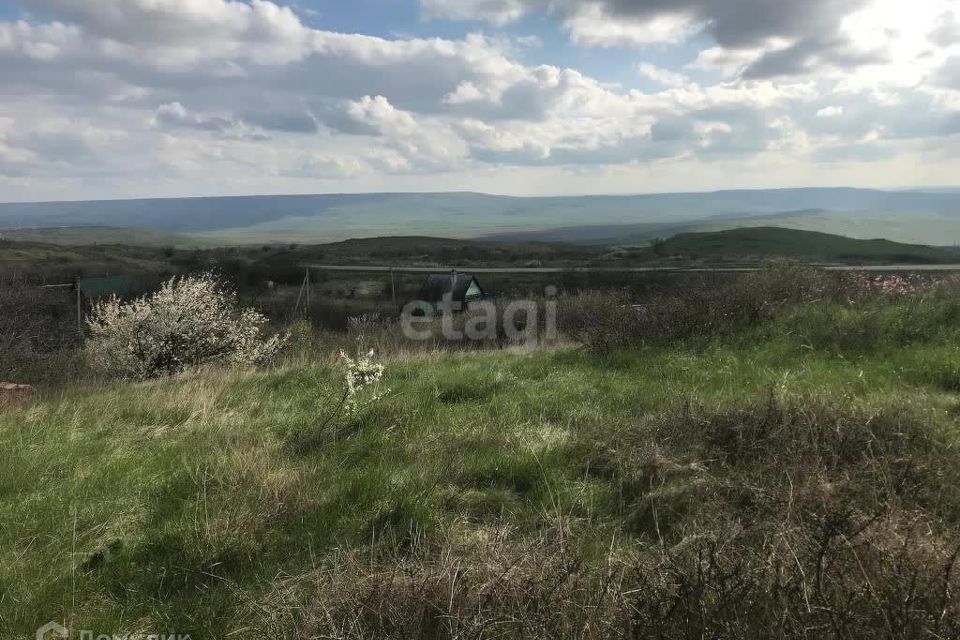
{"x": 362, "y": 381}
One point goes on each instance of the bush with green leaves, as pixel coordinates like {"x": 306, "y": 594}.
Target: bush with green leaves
{"x": 190, "y": 321}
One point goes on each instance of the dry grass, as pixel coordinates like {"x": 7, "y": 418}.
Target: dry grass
{"x": 785, "y": 519}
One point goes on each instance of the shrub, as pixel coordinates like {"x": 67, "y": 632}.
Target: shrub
{"x": 879, "y": 323}
{"x": 35, "y": 320}
{"x": 365, "y": 321}
{"x": 601, "y": 322}
{"x": 38, "y": 335}
{"x": 605, "y": 322}
{"x": 189, "y": 321}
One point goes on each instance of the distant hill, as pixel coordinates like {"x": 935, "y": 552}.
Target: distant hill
{"x": 909, "y": 216}
{"x": 793, "y": 243}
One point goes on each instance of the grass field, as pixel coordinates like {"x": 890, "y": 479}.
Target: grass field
{"x": 795, "y": 479}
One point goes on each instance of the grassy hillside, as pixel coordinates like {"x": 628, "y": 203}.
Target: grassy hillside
{"x": 43, "y": 262}
{"x": 793, "y": 477}
{"x": 76, "y": 236}
{"x": 906, "y": 226}
{"x": 794, "y": 243}
{"x": 281, "y": 263}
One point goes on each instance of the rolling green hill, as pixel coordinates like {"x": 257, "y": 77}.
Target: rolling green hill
{"x": 907, "y": 227}
{"x": 794, "y": 243}
{"x": 51, "y": 263}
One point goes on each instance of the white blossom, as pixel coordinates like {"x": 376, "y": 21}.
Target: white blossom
{"x": 189, "y": 321}
{"x": 362, "y": 373}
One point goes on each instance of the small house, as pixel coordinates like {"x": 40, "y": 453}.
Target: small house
{"x": 454, "y": 291}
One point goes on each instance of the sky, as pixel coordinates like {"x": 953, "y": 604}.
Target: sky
{"x": 152, "y": 98}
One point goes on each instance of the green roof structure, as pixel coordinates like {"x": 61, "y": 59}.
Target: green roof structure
{"x": 106, "y": 286}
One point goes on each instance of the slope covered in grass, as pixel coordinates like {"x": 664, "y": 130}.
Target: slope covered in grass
{"x": 795, "y": 243}
{"x": 798, "y": 479}
{"x": 93, "y": 235}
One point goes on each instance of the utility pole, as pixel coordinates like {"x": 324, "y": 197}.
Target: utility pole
{"x": 296, "y": 307}
{"x": 451, "y": 303}
{"x": 308, "y": 293}
{"x": 393, "y": 286}
{"x": 79, "y": 316}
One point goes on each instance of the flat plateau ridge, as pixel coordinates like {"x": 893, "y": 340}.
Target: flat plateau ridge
{"x": 918, "y": 217}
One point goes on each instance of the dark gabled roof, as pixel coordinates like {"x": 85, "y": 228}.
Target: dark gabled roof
{"x": 106, "y": 286}
{"x": 437, "y": 286}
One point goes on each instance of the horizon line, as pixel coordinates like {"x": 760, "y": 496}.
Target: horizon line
{"x": 932, "y": 189}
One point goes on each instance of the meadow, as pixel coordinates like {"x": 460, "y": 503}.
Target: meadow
{"x": 777, "y": 459}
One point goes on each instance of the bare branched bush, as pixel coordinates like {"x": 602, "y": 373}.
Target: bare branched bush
{"x": 722, "y": 584}
{"x": 188, "y": 322}
{"x": 802, "y": 515}
{"x": 38, "y": 334}
{"x": 365, "y": 322}
{"x": 604, "y": 322}
{"x": 34, "y": 319}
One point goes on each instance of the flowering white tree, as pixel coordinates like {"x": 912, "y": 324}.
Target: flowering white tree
{"x": 189, "y": 321}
